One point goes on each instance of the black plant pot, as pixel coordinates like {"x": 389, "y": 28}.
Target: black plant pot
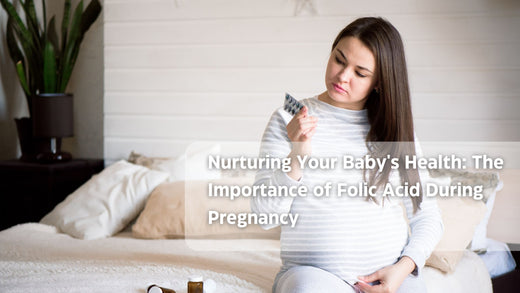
{"x": 30, "y": 145}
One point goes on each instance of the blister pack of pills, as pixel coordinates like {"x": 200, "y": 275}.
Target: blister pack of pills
{"x": 291, "y": 105}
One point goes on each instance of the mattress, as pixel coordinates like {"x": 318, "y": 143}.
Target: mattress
{"x": 37, "y": 257}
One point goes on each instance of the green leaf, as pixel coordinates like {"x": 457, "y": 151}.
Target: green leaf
{"x": 17, "y": 21}
{"x": 90, "y": 15}
{"x": 18, "y": 59}
{"x": 75, "y": 24}
{"x": 14, "y": 51}
{"x": 32, "y": 55}
{"x": 52, "y": 35}
{"x": 20, "y": 70}
{"x": 32, "y": 23}
{"x": 65, "y": 24}
{"x": 44, "y": 10}
{"x": 49, "y": 68}
{"x": 30, "y": 14}
{"x": 69, "y": 56}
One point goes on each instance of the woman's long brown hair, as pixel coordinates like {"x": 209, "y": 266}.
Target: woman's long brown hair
{"x": 388, "y": 108}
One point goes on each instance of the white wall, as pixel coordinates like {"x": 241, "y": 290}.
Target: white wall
{"x": 176, "y": 71}
{"x": 179, "y": 71}
{"x": 86, "y": 84}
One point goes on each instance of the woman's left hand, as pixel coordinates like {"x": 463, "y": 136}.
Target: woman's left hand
{"x": 389, "y": 278}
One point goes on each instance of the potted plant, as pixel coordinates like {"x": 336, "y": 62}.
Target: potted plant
{"x": 44, "y": 61}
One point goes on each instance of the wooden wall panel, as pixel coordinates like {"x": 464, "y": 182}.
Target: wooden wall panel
{"x": 182, "y": 71}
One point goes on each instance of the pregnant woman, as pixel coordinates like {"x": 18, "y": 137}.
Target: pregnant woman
{"x": 352, "y": 243}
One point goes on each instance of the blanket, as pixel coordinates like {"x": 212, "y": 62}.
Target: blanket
{"x": 36, "y": 257}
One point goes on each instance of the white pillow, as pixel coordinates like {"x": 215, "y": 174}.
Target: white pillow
{"x": 106, "y": 203}
{"x": 498, "y": 258}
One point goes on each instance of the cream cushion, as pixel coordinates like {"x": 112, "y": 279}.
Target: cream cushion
{"x": 180, "y": 209}
{"x": 461, "y": 216}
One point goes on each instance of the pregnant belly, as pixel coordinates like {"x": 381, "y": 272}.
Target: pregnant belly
{"x": 355, "y": 237}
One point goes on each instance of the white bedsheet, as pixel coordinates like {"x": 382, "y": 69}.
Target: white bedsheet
{"x": 36, "y": 258}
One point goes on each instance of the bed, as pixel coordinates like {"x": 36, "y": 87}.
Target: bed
{"x": 132, "y": 226}
{"x": 37, "y": 257}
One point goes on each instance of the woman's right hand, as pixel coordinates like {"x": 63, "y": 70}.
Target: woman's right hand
{"x": 300, "y": 130}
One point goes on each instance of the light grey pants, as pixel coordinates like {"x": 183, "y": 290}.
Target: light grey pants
{"x": 308, "y": 279}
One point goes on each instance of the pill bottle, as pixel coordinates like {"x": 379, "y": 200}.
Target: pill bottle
{"x": 156, "y": 289}
{"x": 195, "y": 284}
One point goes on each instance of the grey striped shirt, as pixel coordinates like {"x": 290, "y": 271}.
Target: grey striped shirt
{"x": 347, "y": 236}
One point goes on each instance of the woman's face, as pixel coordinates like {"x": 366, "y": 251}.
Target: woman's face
{"x": 350, "y": 75}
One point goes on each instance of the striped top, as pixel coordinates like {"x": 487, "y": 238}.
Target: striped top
{"x": 345, "y": 235}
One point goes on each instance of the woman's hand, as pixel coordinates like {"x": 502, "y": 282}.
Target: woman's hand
{"x": 300, "y": 130}
{"x": 390, "y": 278}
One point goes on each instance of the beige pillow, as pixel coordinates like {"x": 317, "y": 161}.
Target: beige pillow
{"x": 460, "y": 216}
{"x": 165, "y": 216}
